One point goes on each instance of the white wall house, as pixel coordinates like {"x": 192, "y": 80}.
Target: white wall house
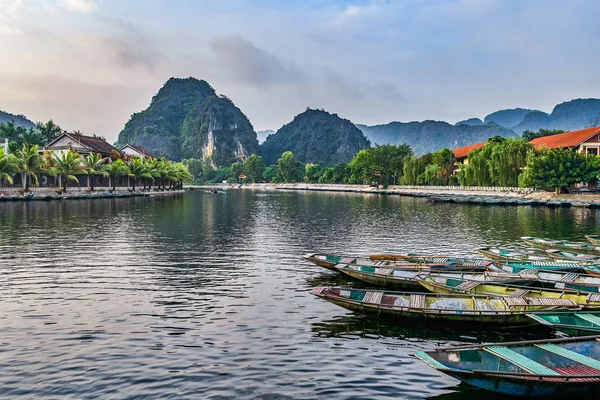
{"x": 136, "y": 151}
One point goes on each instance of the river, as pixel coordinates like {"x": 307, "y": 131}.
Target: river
{"x": 203, "y": 295}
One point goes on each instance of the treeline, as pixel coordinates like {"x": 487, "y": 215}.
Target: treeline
{"x": 502, "y": 162}
{"x": 40, "y": 135}
{"x": 29, "y": 162}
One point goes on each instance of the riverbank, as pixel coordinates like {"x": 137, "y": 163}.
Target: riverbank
{"x": 48, "y": 195}
{"x": 441, "y": 194}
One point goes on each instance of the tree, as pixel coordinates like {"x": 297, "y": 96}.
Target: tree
{"x": 380, "y": 163}
{"x": 118, "y": 168}
{"x": 314, "y": 173}
{"x": 8, "y": 166}
{"x": 67, "y": 166}
{"x": 338, "y": 174}
{"x": 254, "y": 167}
{"x": 291, "y": 170}
{"x": 139, "y": 170}
{"x": 444, "y": 160}
{"x": 48, "y": 131}
{"x": 271, "y": 173}
{"x": 236, "y": 169}
{"x": 559, "y": 169}
{"x": 29, "y": 163}
{"x": 530, "y": 135}
{"x": 94, "y": 164}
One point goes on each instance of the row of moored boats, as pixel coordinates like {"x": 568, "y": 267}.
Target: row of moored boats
{"x": 557, "y": 288}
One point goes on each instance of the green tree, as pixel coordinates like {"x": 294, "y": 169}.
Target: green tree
{"x": 94, "y": 164}
{"x": 48, "y": 131}
{"x": 338, "y": 174}
{"x": 444, "y": 160}
{"x": 29, "y": 163}
{"x": 235, "y": 170}
{"x": 314, "y": 173}
{"x": 8, "y": 166}
{"x": 530, "y": 135}
{"x": 194, "y": 166}
{"x": 271, "y": 174}
{"x": 68, "y": 166}
{"x": 291, "y": 170}
{"x": 118, "y": 168}
{"x": 254, "y": 167}
{"x": 383, "y": 164}
{"x": 139, "y": 170}
{"x": 559, "y": 169}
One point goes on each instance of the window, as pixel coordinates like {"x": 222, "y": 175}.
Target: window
{"x": 592, "y": 151}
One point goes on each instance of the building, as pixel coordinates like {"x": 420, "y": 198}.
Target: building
{"x": 4, "y": 145}
{"x": 136, "y": 151}
{"x": 586, "y": 141}
{"x": 82, "y": 144}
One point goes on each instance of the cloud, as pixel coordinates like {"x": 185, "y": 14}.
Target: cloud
{"x": 9, "y": 7}
{"x": 243, "y": 61}
{"x": 132, "y": 53}
{"x": 79, "y": 6}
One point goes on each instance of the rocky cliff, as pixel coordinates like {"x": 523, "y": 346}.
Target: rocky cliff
{"x": 188, "y": 119}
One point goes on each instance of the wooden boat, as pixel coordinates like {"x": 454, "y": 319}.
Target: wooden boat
{"x": 578, "y": 323}
{"x": 581, "y": 258}
{"x": 477, "y": 310}
{"x": 541, "y": 368}
{"x": 407, "y": 278}
{"x": 507, "y": 255}
{"x": 562, "y": 245}
{"x": 330, "y": 261}
{"x": 557, "y": 279}
{"x": 593, "y": 239}
{"x": 516, "y": 294}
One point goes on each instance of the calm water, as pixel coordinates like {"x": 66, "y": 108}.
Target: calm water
{"x": 205, "y": 296}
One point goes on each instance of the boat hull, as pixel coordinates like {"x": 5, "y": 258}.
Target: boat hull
{"x": 383, "y": 281}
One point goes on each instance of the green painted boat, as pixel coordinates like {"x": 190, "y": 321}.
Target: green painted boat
{"x": 406, "y": 278}
{"x": 578, "y": 247}
{"x": 466, "y": 309}
{"x": 330, "y": 261}
{"x": 494, "y": 253}
{"x": 581, "y": 258}
{"x": 556, "y": 279}
{"x": 578, "y": 323}
{"x": 559, "y": 368}
{"x": 593, "y": 239}
{"x": 513, "y": 293}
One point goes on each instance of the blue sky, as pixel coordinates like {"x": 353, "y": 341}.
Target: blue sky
{"x": 90, "y": 64}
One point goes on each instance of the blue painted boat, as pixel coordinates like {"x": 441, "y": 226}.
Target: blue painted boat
{"x": 541, "y": 368}
{"x": 579, "y": 323}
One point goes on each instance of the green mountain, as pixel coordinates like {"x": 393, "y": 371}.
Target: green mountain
{"x": 316, "y": 136}
{"x": 429, "y": 136}
{"x": 568, "y": 116}
{"x": 470, "y": 121}
{"x": 186, "y": 119}
{"x": 20, "y": 120}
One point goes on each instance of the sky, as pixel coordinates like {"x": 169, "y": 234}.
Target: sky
{"x": 90, "y": 64}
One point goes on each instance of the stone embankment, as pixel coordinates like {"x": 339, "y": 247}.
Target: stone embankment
{"x": 78, "y": 195}
{"x": 447, "y": 194}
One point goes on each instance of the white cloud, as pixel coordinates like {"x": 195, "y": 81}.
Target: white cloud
{"x": 81, "y": 6}
{"x": 9, "y": 7}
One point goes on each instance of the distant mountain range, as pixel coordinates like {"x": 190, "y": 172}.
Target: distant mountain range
{"x": 20, "y": 120}
{"x": 430, "y": 136}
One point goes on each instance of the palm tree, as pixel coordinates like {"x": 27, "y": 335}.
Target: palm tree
{"x": 67, "y": 166}
{"x": 49, "y": 131}
{"x": 138, "y": 170}
{"x": 8, "y": 166}
{"x": 116, "y": 169}
{"x": 29, "y": 163}
{"x": 94, "y": 164}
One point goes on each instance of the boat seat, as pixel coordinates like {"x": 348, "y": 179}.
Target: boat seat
{"x": 384, "y": 271}
{"x": 373, "y": 297}
{"x": 571, "y": 355}
{"x": 593, "y": 297}
{"x": 569, "y": 277}
{"x": 544, "y": 301}
{"x": 519, "y": 293}
{"x": 529, "y": 271}
{"x": 590, "y": 318}
{"x": 467, "y": 285}
{"x": 520, "y": 360}
{"x": 347, "y": 260}
{"x": 515, "y": 301}
{"x": 417, "y": 301}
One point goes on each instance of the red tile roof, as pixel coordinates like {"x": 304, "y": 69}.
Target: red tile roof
{"x": 96, "y": 144}
{"x": 140, "y": 150}
{"x": 463, "y": 152}
{"x": 569, "y": 139}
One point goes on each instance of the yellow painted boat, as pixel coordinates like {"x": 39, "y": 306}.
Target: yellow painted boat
{"x": 516, "y": 294}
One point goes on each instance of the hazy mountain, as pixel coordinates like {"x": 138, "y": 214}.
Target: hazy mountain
{"x": 316, "y": 136}
{"x": 20, "y": 120}
{"x": 470, "y": 121}
{"x": 508, "y": 118}
{"x": 188, "y": 119}
{"x": 262, "y": 135}
{"x": 429, "y": 136}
